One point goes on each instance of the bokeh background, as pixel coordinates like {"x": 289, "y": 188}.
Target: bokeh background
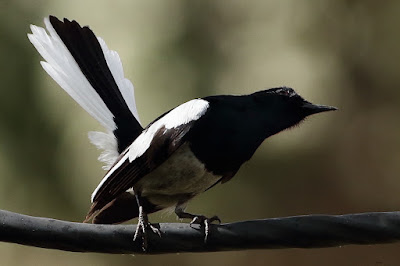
{"x": 337, "y": 52}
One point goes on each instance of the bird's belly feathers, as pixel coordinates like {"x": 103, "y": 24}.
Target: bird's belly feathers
{"x": 181, "y": 177}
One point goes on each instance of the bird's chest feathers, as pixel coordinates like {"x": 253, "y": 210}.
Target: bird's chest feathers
{"x": 182, "y": 174}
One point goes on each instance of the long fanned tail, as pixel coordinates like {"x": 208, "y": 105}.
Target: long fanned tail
{"x": 93, "y": 76}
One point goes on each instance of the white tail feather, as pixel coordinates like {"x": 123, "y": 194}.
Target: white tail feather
{"x": 63, "y": 68}
{"x": 108, "y": 143}
{"x": 125, "y": 85}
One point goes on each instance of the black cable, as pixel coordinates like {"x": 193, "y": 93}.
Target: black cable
{"x": 308, "y": 231}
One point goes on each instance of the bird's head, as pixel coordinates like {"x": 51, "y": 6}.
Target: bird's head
{"x": 282, "y": 108}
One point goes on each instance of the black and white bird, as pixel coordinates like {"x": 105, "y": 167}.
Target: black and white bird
{"x": 179, "y": 155}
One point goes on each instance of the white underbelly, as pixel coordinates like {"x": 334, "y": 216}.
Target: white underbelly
{"x": 181, "y": 177}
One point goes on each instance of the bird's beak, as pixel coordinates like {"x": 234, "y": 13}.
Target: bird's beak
{"x": 311, "y": 108}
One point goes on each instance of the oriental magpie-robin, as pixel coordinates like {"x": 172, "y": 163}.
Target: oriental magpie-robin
{"x": 181, "y": 154}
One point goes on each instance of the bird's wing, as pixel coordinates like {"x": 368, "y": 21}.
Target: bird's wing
{"x": 92, "y": 75}
{"x": 149, "y": 150}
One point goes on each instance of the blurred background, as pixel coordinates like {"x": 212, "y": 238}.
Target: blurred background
{"x": 336, "y": 52}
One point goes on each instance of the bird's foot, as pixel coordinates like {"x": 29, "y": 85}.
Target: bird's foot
{"x": 142, "y": 227}
{"x": 204, "y": 221}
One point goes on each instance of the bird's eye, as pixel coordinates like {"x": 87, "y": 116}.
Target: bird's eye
{"x": 285, "y": 91}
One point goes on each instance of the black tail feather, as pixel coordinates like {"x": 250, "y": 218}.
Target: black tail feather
{"x": 87, "y": 52}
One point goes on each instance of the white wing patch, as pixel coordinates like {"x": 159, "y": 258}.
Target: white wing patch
{"x": 181, "y": 115}
{"x": 62, "y": 67}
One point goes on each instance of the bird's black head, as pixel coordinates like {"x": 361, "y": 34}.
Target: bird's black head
{"x": 282, "y": 108}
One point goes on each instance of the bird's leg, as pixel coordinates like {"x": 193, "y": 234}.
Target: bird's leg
{"x": 143, "y": 225}
{"x": 197, "y": 219}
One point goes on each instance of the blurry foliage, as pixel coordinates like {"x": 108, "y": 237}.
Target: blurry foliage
{"x": 342, "y": 53}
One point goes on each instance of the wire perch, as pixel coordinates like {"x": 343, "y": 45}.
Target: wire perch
{"x": 308, "y": 231}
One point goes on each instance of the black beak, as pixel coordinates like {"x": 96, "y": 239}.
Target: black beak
{"x": 311, "y": 108}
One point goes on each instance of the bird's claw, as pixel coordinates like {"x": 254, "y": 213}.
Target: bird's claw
{"x": 203, "y": 220}
{"x": 142, "y": 227}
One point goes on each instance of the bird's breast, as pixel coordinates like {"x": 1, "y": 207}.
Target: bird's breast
{"x": 181, "y": 177}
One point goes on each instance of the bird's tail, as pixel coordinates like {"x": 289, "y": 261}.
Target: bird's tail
{"x": 122, "y": 208}
{"x": 93, "y": 76}
{"x": 119, "y": 210}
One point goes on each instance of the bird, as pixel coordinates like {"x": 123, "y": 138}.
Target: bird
{"x": 182, "y": 153}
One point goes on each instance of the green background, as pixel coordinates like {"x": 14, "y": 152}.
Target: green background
{"x": 341, "y": 53}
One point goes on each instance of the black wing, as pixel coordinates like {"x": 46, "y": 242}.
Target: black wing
{"x": 124, "y": 174}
